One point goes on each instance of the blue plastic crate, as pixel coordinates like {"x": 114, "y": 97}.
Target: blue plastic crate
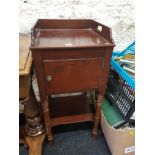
{"x": 129, "y": 50}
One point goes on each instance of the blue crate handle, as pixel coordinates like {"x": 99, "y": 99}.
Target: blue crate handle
{"x": 131, "y": 50}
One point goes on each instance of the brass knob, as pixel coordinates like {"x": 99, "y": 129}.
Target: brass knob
{"x": 48, "y": 78}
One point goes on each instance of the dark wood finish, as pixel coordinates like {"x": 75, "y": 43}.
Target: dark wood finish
{"x": 70, "y": 56}
{"x": 55, "y": 54}
{"x": 75, "y": 109}
{"x": 70, "y": 69}
{"x": 46, "y": 113}
{"x": 34, "y": 122}
{"x": 73, "y": 38}
{"x": 105, "y": 31}
{"x": 97, "y": 115}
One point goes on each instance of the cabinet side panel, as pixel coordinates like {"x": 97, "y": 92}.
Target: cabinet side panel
{"x": 39, "y": 73}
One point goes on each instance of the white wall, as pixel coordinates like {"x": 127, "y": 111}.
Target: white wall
{"x": 118, "y": 14}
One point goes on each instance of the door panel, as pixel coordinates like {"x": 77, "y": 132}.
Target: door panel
{"x": 72, "y": 74}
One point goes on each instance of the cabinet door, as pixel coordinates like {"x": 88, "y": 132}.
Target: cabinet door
{"x": 72, "y": 75}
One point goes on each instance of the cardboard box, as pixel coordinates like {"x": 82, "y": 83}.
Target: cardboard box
{"x": 120, "y": 141}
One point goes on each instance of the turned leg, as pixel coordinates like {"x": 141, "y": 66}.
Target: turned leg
{"x": 34, "y": 122}
{"x": 47, "y": 120}
{"x": 97, "y": 115}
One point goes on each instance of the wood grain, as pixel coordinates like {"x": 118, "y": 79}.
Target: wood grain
{"x": 25, "y": 57}
{"x": 35, "y": 144}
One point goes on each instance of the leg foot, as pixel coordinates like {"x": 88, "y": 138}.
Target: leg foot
{"x": 35, "y": 144}
{"x": 94, "y": 135}
{"x": 49, "y": 135}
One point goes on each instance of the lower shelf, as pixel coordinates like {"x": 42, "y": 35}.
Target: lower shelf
{"x": 70, "y": 109}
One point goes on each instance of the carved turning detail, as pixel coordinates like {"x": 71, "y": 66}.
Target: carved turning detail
{"x": 47, "y": 118}
{"x": 34, "y": 122}
{"x": 97, "y": 115}
{"x": 99, "y": 100}
{"x": 45, "y": 106}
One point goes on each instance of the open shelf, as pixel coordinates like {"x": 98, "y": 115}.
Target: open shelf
{"x": 70, "y": 109}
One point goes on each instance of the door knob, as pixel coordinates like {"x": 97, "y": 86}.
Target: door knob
{"x": 48, "y": 78}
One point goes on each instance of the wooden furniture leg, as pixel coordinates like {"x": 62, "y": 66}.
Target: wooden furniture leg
{"x": 34, "y": 122}
{"x": 97, "y": 115}
{"x": 47, "y": 118}
{"x": 35, "y": 144}
{"x": 102, "y": 90}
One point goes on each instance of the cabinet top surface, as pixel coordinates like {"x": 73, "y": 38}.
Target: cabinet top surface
{"x": 62, "y": 38}
{"x": 25, "y": 58}
{"x": 54, "y": 33}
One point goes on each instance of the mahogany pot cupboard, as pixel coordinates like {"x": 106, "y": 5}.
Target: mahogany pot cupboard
{"x": 70, "y": 56}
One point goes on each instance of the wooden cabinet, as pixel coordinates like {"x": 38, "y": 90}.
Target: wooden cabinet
{"x": 70, "y": 56}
